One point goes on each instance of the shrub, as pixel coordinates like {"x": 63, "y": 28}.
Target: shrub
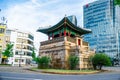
{"x": 73, "y": 61}
{"x": 99, "y": 60}
{"x": 43, "y": 62}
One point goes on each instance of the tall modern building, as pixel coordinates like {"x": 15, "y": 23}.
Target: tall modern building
{"x": 103, "y": 18}
{"x": 22, "y": 49}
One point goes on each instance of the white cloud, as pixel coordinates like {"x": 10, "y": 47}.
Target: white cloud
{"x": 31, "y": 15}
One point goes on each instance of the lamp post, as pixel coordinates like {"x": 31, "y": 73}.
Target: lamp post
{"x": 20, "y": 60}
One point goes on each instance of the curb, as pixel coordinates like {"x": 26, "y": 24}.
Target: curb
{"x": 81, "y": 73}
{"x": 84, "y": 73}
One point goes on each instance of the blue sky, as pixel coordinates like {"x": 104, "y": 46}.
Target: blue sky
{"x": 29, "y": 15}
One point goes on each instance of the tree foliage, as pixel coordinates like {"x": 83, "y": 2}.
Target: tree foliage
{"x": 99, "y": 60}
{"x": 73, "y": 60}
{"x": 43, "y": 62}
{"x": 8, "y": 51}
{"x": 117, "y": 2}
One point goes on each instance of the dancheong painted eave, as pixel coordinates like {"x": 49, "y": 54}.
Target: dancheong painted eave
{"x": 64, "y": 22}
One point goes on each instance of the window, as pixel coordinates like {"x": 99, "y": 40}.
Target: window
{"x": 31, "y": 37}
{"x": 29, "y": 54}
{"x": 16, "y": 53}
{"x": 19, "y": 34}
{"x": 8, "y": 32}
{"x": 2, "y": 30}
{"x": 22, "y": 60}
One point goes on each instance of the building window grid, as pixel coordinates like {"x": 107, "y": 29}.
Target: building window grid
{"x": 105, "y": 23}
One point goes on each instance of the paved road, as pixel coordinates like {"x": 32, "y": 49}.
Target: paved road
{"x": 22, "y": 74}
{"x": 39, "y": 76}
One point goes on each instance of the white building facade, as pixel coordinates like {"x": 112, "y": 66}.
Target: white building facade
{"x": 23, "y": 45}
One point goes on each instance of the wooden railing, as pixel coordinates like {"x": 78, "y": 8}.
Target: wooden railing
{"x": 85, "y": 43}
{"x": 71, "y": 40}
{"x": 59, "y": 39}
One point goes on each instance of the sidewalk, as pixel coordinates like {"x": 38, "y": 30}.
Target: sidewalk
{"x": 115, "y": 69}
{"x": 15, "y": 69}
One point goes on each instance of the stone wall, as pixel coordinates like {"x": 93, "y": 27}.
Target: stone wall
{"x": 59, "y": 51}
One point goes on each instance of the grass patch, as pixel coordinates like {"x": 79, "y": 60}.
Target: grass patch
{"x": 5, "y": 65}
{"x": 62, "y": 71}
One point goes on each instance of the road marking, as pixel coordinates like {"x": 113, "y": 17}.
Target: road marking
{"x": 4, "y": 77}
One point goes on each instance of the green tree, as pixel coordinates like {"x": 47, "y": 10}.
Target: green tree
{"x": 43, "y": 62}
{"x": 73, "y": 60}
{"x": 99, "y": 60}
{"x": 8, "y": 52}
{"x": 117, "y": 2}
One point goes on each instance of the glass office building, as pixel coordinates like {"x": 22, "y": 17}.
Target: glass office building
{"x": 103, "y": 18}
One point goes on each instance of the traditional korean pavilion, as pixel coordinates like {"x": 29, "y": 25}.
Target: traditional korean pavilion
{"x": 64, "y": 39}
{"x": 66, "y": 27}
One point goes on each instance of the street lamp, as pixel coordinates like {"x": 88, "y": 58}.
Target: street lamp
{"x": 20, "y": 60}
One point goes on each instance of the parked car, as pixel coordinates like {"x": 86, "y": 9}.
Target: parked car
{"x": 33, "y": 63}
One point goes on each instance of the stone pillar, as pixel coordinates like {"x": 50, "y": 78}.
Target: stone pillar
{"x": 66, "y": 56}
{"x": 66, "y": 59}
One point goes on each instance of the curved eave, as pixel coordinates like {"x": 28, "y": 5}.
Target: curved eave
{"x": 50, "y": 29}
{"x": 65, "y": 20}
{"x": 78, "y": 29}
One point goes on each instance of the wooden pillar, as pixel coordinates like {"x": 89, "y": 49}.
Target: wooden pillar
{"x": 69, "y": 33}
{"x": 48, "y": 37}
{"x": 64, "y": 32}
{"x": 52, "y": 36}
{"x": 60, "y": 34}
